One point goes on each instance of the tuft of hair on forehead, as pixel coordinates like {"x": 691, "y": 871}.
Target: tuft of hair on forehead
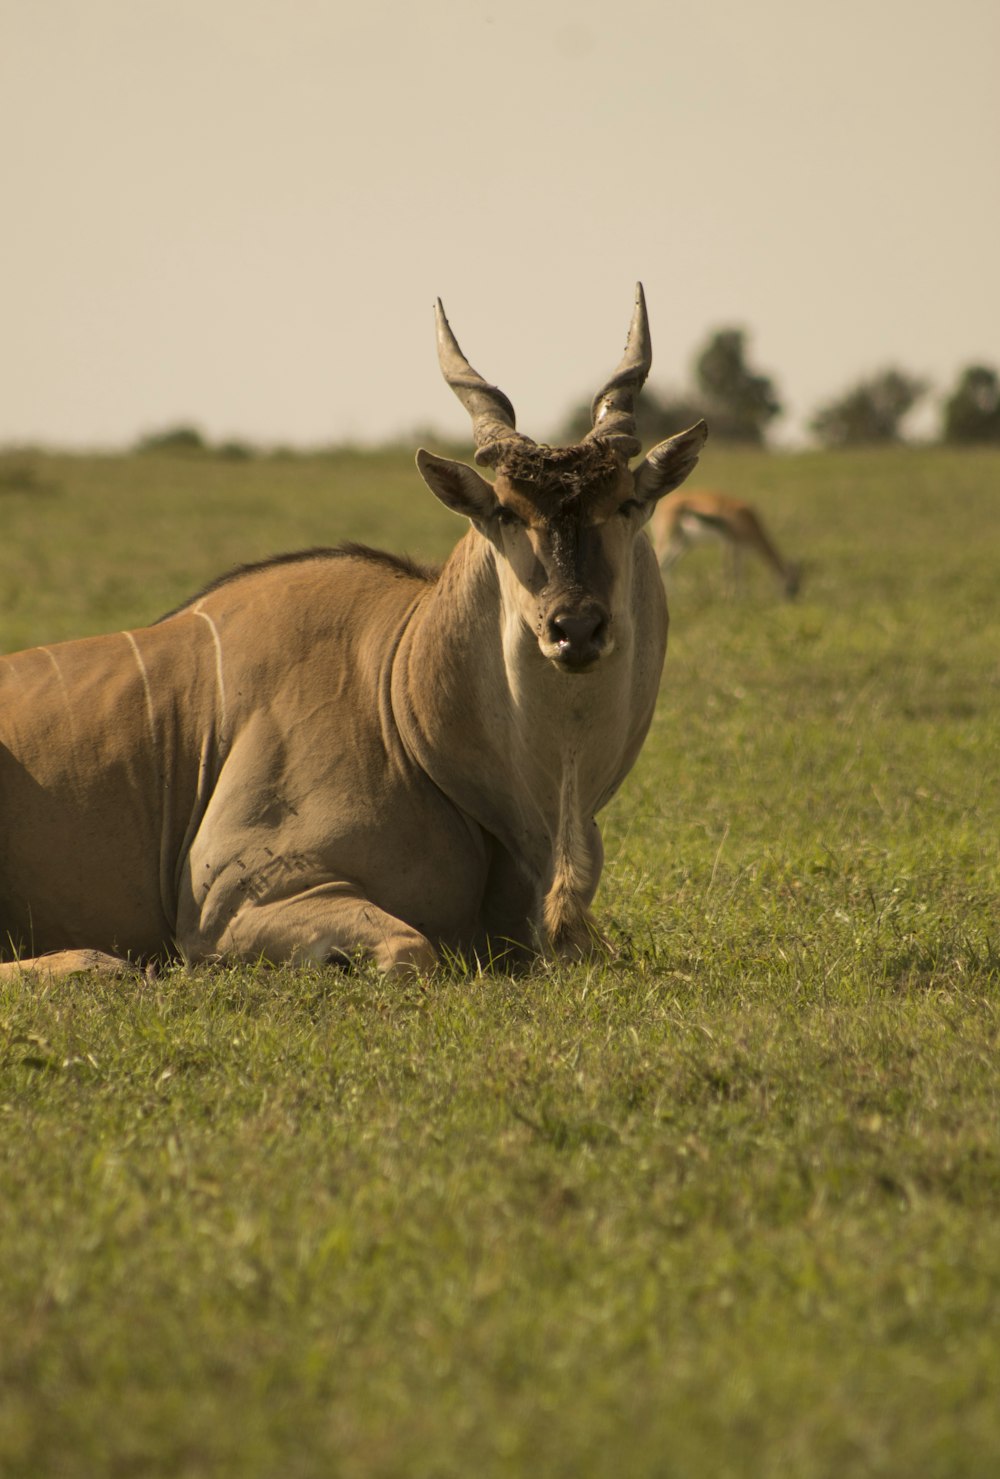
{"x": 563, "y": 472}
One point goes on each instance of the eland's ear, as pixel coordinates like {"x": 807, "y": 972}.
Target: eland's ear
{"x": 668, "y": 464}
{"x": 458, "y": 486}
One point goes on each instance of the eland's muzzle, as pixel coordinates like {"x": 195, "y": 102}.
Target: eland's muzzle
{"x": 575, "y": 640}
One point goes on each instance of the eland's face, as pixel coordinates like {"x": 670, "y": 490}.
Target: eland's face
{"x": 564, "y": 522}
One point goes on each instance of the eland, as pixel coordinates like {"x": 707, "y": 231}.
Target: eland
{"x": 339, "y": 755}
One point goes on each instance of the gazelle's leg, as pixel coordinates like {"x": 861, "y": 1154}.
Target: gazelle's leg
{"x": 735, "y": 563}
{"x": 792, "y": 579}
{"x": 325, "y": 924}
{"x": 787, "y": 574}
{"x": 670, "y": 552}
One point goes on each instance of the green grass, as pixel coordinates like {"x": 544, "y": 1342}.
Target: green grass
{"x": 726, "y": 1205}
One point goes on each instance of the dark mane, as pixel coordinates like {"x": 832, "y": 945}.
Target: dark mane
{"x": 563, "y": 471}
{"x": 401, "y": 564}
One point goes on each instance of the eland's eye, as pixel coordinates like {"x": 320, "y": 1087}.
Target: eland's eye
{"x": 630, "y": 506}
{"x": 507, "y": 517}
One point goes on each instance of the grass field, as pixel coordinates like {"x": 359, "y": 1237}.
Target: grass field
{"x": 726, "y": 1205}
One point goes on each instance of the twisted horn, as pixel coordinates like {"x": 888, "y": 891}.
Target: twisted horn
{"x": 614, "y": 404}
{"x": 492, "y": 413}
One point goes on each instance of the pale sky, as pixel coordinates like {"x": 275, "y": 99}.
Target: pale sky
{"x": 238, "y": 213}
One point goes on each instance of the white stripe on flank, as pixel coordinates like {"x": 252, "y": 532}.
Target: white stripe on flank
{"x": 52, "y": 659}
{"x": 218, "y": 664}
{"x": 11, "y": 667}
{"x": 145, "y": 683}
{"x": 62, "y": 681}
{"x": 62, "y": 685}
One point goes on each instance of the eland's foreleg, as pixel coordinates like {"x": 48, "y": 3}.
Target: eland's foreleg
{"x": 578, "y": 859}
{"x": 326, "y": 925}
{"x": 66, "y": 963}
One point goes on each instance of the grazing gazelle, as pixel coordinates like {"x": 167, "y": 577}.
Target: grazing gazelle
{"x": 685, "y": 519}
{"x": 339, "y": 754}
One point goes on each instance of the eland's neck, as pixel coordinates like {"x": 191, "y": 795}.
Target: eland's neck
{"x": 504, "y": 734}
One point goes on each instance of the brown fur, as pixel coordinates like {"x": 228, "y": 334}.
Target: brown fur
{"x": 401, "y": 563}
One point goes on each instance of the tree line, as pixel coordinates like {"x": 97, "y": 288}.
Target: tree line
{"x": 739, "y": 403}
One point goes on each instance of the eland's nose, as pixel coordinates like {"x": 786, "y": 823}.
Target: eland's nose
{"x": 578, "y": 635}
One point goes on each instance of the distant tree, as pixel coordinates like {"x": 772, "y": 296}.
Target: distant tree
{"x": 972, "y": 411}
{"x": 657, "y": 415}
{"x": 663, "y": 414}
{"x": 174, "y": 439}
{"x": 870, "y": 413}
{"x": 17, "y": 475}
{"x": 234, "y": 451}
{"x": 735, "y": 400}
{"x": 738, "y": 401}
